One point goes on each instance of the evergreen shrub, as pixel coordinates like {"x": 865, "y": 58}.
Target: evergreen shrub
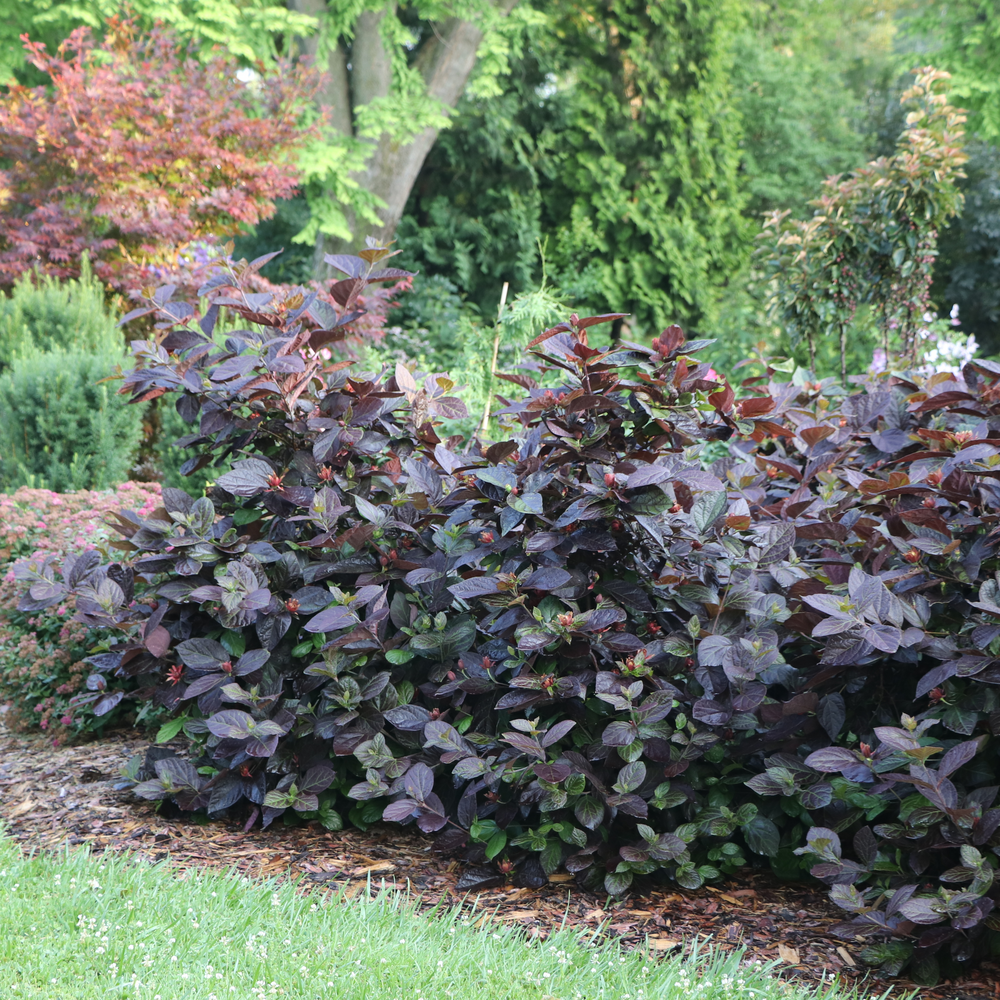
{"x": 583, "y": 645}
{"x": 61, "y": 427}
{"x": 42, "y": 313}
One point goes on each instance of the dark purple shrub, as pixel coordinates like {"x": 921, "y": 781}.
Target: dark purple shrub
{"x": 584, "y": 646}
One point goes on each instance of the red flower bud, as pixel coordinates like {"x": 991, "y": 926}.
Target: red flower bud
{"x": 609, "y": 479}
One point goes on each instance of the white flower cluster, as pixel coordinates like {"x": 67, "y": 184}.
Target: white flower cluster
{"x": 945, "y": 349}
{"x": 940, "y": 347}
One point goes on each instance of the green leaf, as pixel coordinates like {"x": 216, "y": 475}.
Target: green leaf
{"x": 689, "y": 876}
{"x": 496, "y": 844}
{"x": 551, "y": 856}
{"x": 615, "y": 883}
{"x": 649, "y": 501}
{"x": 589, "y": 811}
{"x": 170, "y": 729}
{"x": 330, "y": 818}
{"x": 399, "y": 656}
{"x": 246, "y": 516}
{"x": 235, "y": 642}
{"x": 762, "y": 836}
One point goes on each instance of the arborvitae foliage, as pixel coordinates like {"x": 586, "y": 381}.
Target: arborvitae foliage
{"x": 618, "y": 139}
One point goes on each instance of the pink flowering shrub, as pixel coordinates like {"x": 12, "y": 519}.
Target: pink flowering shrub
{"x": 43, "y": 522}
{"x": 42, "y": 652}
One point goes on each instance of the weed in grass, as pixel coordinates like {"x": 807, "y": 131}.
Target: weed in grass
{"x": 85, "y": 927}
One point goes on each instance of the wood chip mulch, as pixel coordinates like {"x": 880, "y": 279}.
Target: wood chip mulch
{"x": 55, "y": 796}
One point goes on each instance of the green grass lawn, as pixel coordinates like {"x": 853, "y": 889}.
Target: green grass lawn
{"x": 77, "y": 927}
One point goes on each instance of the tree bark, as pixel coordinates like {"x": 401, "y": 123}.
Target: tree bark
{"x": 371, "y": 64}
{"x": 334, "y": 96}
{"x": 445, "y": 61}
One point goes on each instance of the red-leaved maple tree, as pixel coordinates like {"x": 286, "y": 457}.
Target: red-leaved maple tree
{"x": 137, "y": 148}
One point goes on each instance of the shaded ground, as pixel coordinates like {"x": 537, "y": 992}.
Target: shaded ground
{"x": 53, "y": 796}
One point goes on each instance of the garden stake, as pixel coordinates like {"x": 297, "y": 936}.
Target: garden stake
{"x": 493, "y": 362}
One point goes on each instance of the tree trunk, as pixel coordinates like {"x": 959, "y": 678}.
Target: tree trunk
{"x": 371, "y": 72}
{"x": 334, "y": 96}
{"x": 445, "y": 64}
{"x": 445, "y": 61}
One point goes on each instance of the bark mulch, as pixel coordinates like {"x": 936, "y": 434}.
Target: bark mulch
{"x": 56, "y": 796}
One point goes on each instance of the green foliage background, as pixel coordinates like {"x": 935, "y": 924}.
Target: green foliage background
{"x": 42, "y": 313}
{"x": 62, "y": 430}
{"x": 61, "y": 427}
{"x": 622, "y": 152}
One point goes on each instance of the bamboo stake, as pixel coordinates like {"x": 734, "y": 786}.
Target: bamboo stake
{"x": 493, "y": 362}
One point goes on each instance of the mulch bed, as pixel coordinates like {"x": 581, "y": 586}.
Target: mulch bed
{"x": 54, "y": 796}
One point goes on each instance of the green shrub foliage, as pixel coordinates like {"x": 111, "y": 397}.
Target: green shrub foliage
{"x": 580, "y": 646}
{"x": 43, "y": 314}
{"x": 61, "y": 427}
